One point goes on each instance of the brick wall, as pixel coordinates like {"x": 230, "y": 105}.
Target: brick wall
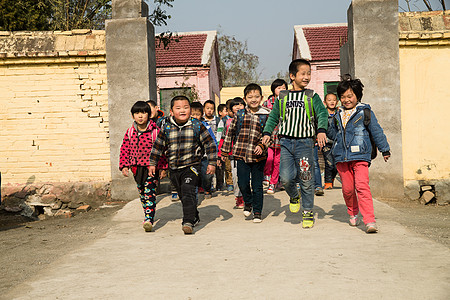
{"x": 53, "y": 107}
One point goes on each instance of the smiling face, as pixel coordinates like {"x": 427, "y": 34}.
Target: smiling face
{"x": 280, "y": 88}
{"x": 181, "y": 111}
{"x": 348, "y": 99}
{"x": 302, "y": 78}
{"x": 253, "y": 100}
{"x": 141, "y": 118}
{"x": 236, "y": 108}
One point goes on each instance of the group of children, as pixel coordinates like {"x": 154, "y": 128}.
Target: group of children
{"x": 250, "y": 143}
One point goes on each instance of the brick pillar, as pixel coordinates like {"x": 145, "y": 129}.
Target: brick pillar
{"x": 372, "y": 55}
{"x": 131, "y": 71}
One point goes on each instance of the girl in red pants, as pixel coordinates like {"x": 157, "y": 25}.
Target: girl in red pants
{"x": 354, "y": 129}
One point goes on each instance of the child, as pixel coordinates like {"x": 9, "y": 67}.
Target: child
{"x": 354, "y": 125}
{"x": 236, "y": 104}
{"x": 249, "y": 151}
{"x": 206, "y": 179}
{"x": 220, "y": 135}
{"x": 184, "y": 139}
{"x": 213, "y": 121}
{"x": 134, "y": 153}
{"x": 330, "y": 167}
{"x": 156, "y": 112}
{"x": 296, "y": 110}
{"x": 272, "y": 168}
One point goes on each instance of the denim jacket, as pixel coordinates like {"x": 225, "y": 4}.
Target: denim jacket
{"x": 352, "y": 142}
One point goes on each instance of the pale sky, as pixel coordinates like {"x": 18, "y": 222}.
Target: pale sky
{"x": 267, "y": 26}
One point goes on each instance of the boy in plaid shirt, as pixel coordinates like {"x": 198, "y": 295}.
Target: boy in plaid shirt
{"x": 245, "y": 133}
{"x": 183, "y": 139}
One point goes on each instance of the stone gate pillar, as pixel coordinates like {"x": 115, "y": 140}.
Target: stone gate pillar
{"x": 131, "y": 69}
{"x": 372, "y": 55}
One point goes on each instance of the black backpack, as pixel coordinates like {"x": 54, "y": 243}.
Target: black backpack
{"x": 367, "y": 114}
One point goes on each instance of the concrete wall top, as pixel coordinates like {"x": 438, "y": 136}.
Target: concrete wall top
{"x": 78, "y": 42}
{"x": 424, "y": 21}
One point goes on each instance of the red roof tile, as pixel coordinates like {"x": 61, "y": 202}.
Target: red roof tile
{"x": 324, "y": 42}
{"x": 187, "y": 52}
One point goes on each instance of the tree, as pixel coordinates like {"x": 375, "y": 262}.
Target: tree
{"x": 25, "y": 15}
{"x": 238, "y": 67}
{"x": 414, "y": 5}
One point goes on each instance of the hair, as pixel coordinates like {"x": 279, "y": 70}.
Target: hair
{"x": 228, "y": 103}
{"x": 276, "y": 83}
{"x": 209, "y": 102}
{"x": 236, "y": 101}
{"x": 329, "y": 94}
{"x": 152, "y": 103}
{"x": 252, "y": 87}
{"x": 140, "y": 107}
{"x": 293, "y": 66}
{"x": 348, "y": 83}
{"x": 197, "y": 106}
{"x": 221, "y": 107}
{"x": 179, "y": 98}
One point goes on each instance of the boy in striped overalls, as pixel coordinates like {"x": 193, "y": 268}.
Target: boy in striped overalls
{"x": 302, "y": 116}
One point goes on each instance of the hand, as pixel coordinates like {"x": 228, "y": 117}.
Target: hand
{"x": 162, "y": 174}
{"x": 321, "y": 139}
{"x": 151, "y": 171}
{"x": 211, "y": 170}
{"x": 219, "y": 163}
{"x": 125, "y": 172}
{"x": 386, "y": 157}
{"x": 266, "y": 139}
{"x": 258, "y": 150}
{"x": 223, "y": 158}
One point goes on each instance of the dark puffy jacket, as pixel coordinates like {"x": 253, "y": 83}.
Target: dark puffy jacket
{"x": 353, "y": 142}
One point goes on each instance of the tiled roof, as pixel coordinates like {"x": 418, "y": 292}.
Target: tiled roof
{"x": 188, "y": 51}
{"x": 324, "y": 42}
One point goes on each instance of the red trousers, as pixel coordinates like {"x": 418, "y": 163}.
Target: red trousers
{"x": 356, "y": 190}
{"x": 272, "y": 167}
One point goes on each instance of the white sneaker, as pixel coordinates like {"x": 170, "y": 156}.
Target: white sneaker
{"x": 271, "y": 189}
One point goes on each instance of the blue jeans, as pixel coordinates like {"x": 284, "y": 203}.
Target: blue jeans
{"x": 255, "y": 171}
{"x": 297, "y": 165}
{"x": 317, "y": 173}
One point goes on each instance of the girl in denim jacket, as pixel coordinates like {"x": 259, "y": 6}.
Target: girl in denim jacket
{"x": 352, "y": 150}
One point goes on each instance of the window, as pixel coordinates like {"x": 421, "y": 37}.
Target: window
{"x": 165, "y": 95}
{"x": 330, "y": 87}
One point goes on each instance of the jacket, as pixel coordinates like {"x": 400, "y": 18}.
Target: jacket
{"x": 248, "y": 138}
{"x": 136, "y": 148}
{"x": 183, "y": 144}
{"x": 352, "y": 142}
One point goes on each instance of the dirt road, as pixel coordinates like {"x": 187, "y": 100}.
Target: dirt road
{"x": 230, "y": 257}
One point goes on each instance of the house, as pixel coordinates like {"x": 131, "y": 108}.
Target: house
{"x": 190, "y": 66}
{"x": 320, "y": 45}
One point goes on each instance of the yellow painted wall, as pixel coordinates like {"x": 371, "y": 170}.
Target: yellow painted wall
{"x": 54, "y": 120}
{"x": 232, "y": 92}
{"x": 425, "y": 99}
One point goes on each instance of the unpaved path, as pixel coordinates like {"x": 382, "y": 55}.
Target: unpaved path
{"x": 230, "y": 257}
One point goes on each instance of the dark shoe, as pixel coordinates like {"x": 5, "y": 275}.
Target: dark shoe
{"x": 196, "y": 221}
{"x": 188, "y": 228}
{"x": 257, "y": 217}
{"x": 319, "y": 191}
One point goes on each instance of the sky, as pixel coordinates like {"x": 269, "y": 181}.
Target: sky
{"x": 267, "y": 26}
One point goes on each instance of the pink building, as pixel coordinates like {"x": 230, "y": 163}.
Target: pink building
{"x": 189, "y": 66}
{"x": 320, "y": 45}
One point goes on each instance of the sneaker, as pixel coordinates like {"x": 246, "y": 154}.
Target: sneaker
{"x": 201, "y": 190}
{"x": 196, "y": 221}
{"x": 266, "y": 180}
{"x": 271, "y": 189}
{"x": 308, "y": 219}
{"x": 354, "y": 221}
{"x": 213, "y": 189}
{"x": 230, "y": 188}
{"x": 328, "y": 186}
{"x": 208, "y": 195}
{"x": 247, "y": 209}
{"x": 239, "y": 202}
{"x": 318, "y": 191}
{"x": 371, "y": 227}
{"x": 257, "y": 217}
{"x": 188, "y": 228}
{"x": 294, "y": 205}
{"x": 174, "y": 196}
{"x": 147, "y": 226}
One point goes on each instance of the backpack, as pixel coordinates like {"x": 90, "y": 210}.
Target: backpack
{"x": 367, "y": 114}
{"x": 240, "y": 119}
{"x": 131, "y": 129}
{"x": 308, "y": 99}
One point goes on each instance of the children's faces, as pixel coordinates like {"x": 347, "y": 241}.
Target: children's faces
{"x": 209, "y": 110}
{"x": 223, "y": 113}
{"x": 154, "y": 110}
{"x": 302, "y": 78}
{"x": 280, "y": 88}
{"x": 237, "y": 107}
{"x": 140, "y": 118}
{"x": 331, "y": 101}
{"x": 196, "y": 113}
{"x": 348, "y": 99}
{"x": 181, "y": 111}
{"x": 253, "y": 100}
